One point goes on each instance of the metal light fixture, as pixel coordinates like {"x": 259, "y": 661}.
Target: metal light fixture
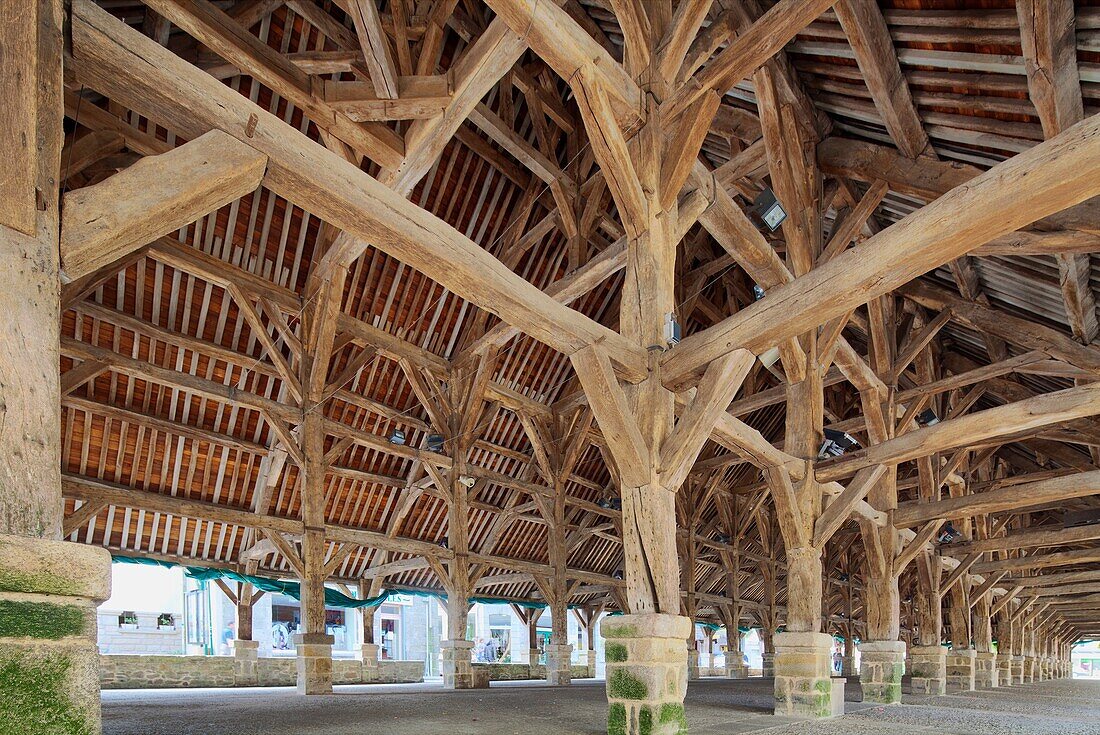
{"x": 434, "y": 443}
{"x": 397, "y": 437}
{"x": 836, "y": 443}
{"x": 927, "y": 417}
{"x": 617, "y": 574}
{"x": 467, "y": 481}
{"x": 672, "y": 329}
{"x": 948, "y": 534}
{"x": 769, "y": 210}
{"x": 758, "y": 291}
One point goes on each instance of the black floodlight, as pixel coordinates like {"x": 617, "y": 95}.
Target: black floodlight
{"x": 927, "y": 417}
{"x": 397, "y": 437}
{"x": 836, "y": 443}
{"x": 769, "y": 210}
{"x": 434, "y": 443}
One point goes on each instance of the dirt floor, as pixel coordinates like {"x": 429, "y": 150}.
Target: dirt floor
{"x": 714, "y": 707}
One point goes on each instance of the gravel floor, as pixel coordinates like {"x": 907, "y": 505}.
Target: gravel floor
{"x": 715, "y": 707}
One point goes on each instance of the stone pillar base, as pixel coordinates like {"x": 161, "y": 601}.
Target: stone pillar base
{"x": 883, "y": 664}
{"x": 245, "y": 656}
{"x": 48, "y": 596}
{"x": 804, "y": 686}
{"x": 848, "y": 666}
{"x": 928, "y": 670}
{"x": 960, "y": 670}
{"x": 314, "y": 662}
{"x": 693, "y": 664}
{"x": 591, "y": 664}
{"x": 767, "y": 665}
{"x": 737, "y": 670}
{"x": 985, "y": 670}
{"x": 559, "y": 658}
{"x": 1029, "y": 669}
{"x": 646, "y": 673}
{"x": 1017, "y": 669}
{"x": 1004, "y": 670}
{"x": 457, "y": 668}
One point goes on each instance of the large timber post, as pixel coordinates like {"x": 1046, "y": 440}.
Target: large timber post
{"x": 558, "y": 443}
{"x": 49, "y": 589}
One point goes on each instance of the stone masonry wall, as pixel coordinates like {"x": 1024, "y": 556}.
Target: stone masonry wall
{"x": 520, "y": 671}
{"x": 151, "y": 672}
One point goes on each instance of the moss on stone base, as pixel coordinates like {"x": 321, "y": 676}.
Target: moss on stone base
{"x": 619, "y": 631}
{"x": 13, "y": 580}
{"x": 672, "y": 712}
{"x": 624, "y": 685}
{"x": 33, "y": 699}
{"x": 616, "y": 719}
{"x": 615, "y": 652}
{"x": 39, "y": 620}
{"x": 645, "y": 721}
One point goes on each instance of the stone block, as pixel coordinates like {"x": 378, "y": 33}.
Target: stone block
{"x": 646, "y": 674}
{"x": 314, "y": 663}
{"x": 693, "y": 664}
{"x": 928, "y": 670}
{"x": 767, "y": 665}
{"x": 456, "y": 664}
{"x": 986, "y": 674}
{"x": 960, "y": 670}
{"x": 246, "y": 655}
{"x": 48, "y": 596}
{"x": 804, "y": 686}
{"x": 881, "y": 669}
{"x": 559, "y": 664}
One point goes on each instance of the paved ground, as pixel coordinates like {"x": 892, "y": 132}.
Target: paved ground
{"x": 715, "y": 707}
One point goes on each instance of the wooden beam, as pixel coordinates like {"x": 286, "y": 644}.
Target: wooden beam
{"x": 240, "y": 47}
{"x": 143, "y": 75}
{"x": 916, "y": 545}
{"x": 969, "y": 429}
{"x": 870, "y": 39}
{"x": 1013, "y": 329}
{"x": 1014, "y": 497}
{"x": 1039, "y": 561}
{"x": 842, "y": 507}
{"x": 19, "y": 27}
{"x": 375, "y": 46}
{"x": 1028, "y": 539}
{"x": 1059, "y": 174}
{"x": 155, "y": 196}
{"x": 747, "y": 52}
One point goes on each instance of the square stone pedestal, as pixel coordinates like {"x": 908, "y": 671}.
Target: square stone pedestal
{"x": 558, "y": 661}
{"x": 1018, "y": 669}
{"x": 457, "y": 668}
{"x": 960, "y": 670}
{"x": 314, "y": 662}
{"x": 1004, "y": 670}
{"x": 245, "y": 656}
{"x": 767, "y": 665}
{"x": 48, "y": 596}
{"x": 368, "y": 653}
{"x": 848, "y": 666}
{"x": 1029, "y": 669}
{"x": 591, "y": 664}
{"x": 985, "y": 670}
{"x": 646, "y": 673}
{"x": 804, "y": 686}
{"x": 693, "y": 664}
{"x": 881, "y": 668}
{"x": 928, "y": 670}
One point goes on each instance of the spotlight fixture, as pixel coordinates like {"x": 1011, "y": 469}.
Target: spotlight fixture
{"x": 948, "y": 534}
{"x": 617, "y": 574}
{"x": 757, "y": 291}
{"x": 397, "y": 437}
{"x": 927, "y": 417}
{"x": 434, "y": 443}
{"x": 722, "y": 538}
{"x": 604, "y": 502}
{"x": 467, "y": 481}
{"x": 769, "y": 210}
{"x": 672, "y": 329}
{"x": 836, "y": 443}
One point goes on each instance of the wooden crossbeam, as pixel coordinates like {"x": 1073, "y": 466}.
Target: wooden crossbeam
{"x": 970, "y": 429}
{"x": 1028, "y": 539}
{"x": 1059, "y": 173}
{"x": 844, "y": 505}
{"x": 915, "y": 546}
{"x": 1039, "y": 561}
{"x": 994, "y": 501}
{"x": 155, "y": 196}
